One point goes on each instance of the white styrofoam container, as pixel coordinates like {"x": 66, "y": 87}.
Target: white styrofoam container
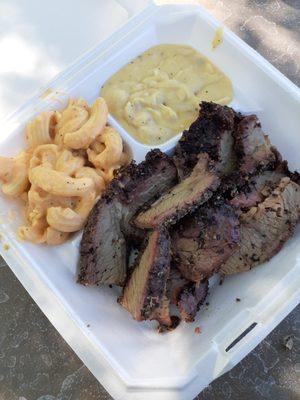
{"x": 130, "y": 359}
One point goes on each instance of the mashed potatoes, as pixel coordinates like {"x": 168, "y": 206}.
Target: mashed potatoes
{"x": 157, "y": 95}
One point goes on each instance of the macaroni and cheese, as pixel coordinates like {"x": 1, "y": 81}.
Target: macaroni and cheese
{"x": 71, "y": 157}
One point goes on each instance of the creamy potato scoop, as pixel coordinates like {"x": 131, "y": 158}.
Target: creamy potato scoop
{"x": 157, "y": 95}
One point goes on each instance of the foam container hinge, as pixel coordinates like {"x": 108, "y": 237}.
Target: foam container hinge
{"x": 130, "y": 359}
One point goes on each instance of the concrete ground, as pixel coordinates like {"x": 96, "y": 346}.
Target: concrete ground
{"x": 36, "y": 363}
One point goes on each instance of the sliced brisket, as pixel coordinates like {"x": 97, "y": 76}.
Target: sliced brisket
{"x": 255, "y": 189}
{"x": 211, "y": 133}
{"x": 183, "y": 198}
{"x": 103, "y": 248}
{"x": 187, "y": 296}
{"x": 190, "y": 299}
{"x": 202, "y": 241}
{"x": 265, "y": 228}
{"x": 144, "y": 295}
{"x": 252, "y": 147}
{"x": 235, "y": 206}
{"x": 176, "y": 283}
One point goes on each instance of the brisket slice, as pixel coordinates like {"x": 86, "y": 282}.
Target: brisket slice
{"x": 295, "y": 176}
{"x": 211, "y": 133}
{"x": 103, "y": 252}
{"x": 136, "y": 186}
{"x": 190, "y": 299}
{"x": 175, "y": 285}
{"x": 255, "y": 189}
{"x": 265, "y": 228}
{"x": 202, "y": 241}
{"x": 182, "y": 198}
{"x": 103, "y": 248}
{"x": 145, "y": 181}
{"x": 144, "y": 295}
{"x": 186, "y": 295}
{"x": 252, "y": 147}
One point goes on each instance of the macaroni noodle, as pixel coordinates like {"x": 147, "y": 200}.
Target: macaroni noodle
{"x": 84, "y": 136}
{"x": 58, "y": 183}
{"x": 41, "y": 129}
{"x": 13, "y": 173}
{"x": 107, "y": 154}
{"x": 71, "y": 119}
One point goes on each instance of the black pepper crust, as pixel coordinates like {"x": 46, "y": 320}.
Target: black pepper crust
{"x": 179, "y": 205}
{"x": 132, "y": 188}
{"x": 237, "y": 182}
{"x": 191, "y": 298}
{"x": 175, "y": 321}
{"x": 126, "y": 182}
{"x": 252, "y": 147}
{"x": 213, "y": 234}
{"x": 158, "y": 275}
{"x": 204, "y": 136}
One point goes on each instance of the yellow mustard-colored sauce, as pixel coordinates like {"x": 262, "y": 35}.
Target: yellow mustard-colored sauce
{"x": 217, "y": 39}
{"x": 157, "y": 95}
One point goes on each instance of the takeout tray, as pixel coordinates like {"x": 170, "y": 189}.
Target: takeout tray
{"x": 130, "y": 359}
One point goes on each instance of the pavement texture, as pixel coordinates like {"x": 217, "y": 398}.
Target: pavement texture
{"x": 36, "y": 363}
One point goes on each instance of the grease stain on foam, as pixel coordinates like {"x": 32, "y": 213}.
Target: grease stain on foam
{"x": 46, "y": 93}
{"x": 51, "y": 94}
{"x": 218, "y": 38}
